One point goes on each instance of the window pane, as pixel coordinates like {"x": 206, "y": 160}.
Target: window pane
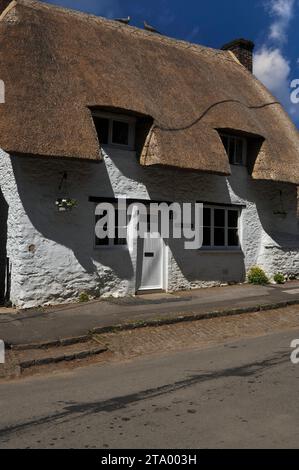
{"x": 239, "y": 152}
{"x": 207, "y": 217}
{"x": 233, "y": 217}
{"x": 102, "y": 241}
{"x": 219, "y": 238}
{"x": 232, "y": 150}
{"x": 233, "y": 238}
{"x": 102, "y": 128}
{"x": 206, "y": 237}
{"x": 120, "y": 133}
{"x": 121, "y": 219}
{"x": 219, "y": 218}
{"x": 118, "y": 240}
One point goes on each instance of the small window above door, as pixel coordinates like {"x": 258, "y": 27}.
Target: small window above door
{"x": 115, "y": 130}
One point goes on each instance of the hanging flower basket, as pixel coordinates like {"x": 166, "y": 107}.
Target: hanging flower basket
{"x": 65, "y": 204}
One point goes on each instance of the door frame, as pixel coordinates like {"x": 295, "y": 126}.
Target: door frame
{"x": 164, "y": 269}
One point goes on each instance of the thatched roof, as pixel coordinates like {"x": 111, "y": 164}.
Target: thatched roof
{"x": 57, "y": 63}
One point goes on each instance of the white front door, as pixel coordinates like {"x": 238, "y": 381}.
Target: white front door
{"x": 150, "y": 263}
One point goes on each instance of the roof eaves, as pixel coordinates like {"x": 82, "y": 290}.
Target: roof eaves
{"x": 6, "y": 10}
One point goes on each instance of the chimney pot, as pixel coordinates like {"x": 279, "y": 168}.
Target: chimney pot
{"x": 243, "y": 50}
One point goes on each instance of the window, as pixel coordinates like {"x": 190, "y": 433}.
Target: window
{"x": 110, "y": 242}
{"x": 220, "y": 227}
{"x": 102, "y": 128}
{"x": 236, "y": 149}
{"x": 120, "y": 132}
{"x": 115, "y": 130}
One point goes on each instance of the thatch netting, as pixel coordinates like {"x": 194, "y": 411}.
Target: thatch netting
{"x": 57, "y": 63}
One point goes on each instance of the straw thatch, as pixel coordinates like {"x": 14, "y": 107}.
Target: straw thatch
{"x": 57, "y": 64}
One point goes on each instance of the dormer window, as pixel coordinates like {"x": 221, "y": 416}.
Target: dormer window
{"x": 236, "y": 148}
{"x": 115, "y": 130}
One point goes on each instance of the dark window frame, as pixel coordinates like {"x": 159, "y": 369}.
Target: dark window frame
{"x": 112, "y": 118}
{"x": 228, "y": 229}
{"x": 231, "y": 148}
{"x": 111, "y": 243}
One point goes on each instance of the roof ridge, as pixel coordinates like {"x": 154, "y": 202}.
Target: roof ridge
{"x": 180, "y": 43}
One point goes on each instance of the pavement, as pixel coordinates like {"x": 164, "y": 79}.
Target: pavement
{"x": 240, "y": 394}
{"x": 53, "y": 324}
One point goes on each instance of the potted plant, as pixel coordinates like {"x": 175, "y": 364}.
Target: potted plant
{"x": 65, "y": 204}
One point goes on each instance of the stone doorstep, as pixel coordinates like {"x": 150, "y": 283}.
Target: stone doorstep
{"x": 8, "y": 310}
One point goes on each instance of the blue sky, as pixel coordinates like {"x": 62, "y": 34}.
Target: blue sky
{"x": 271, "y": 24}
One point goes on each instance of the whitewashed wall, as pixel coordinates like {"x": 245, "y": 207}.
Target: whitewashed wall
{"x": 53, "y": 256}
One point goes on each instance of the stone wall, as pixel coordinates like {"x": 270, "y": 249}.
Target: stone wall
{"x": 53, "y": 256}
{"x": 3, "y": 242}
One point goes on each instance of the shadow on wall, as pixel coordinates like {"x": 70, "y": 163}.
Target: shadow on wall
{"x": 209, "y": 268}
{"x": 3, "y": 241}
{"x": 276, "y": 204}
{"x": 37, "y": 182}
{"x": 186, "y": 186}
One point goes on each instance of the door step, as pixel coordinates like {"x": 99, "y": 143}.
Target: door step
{"x": 20, "y": 361}
{"x": 155, "y": 298}
{"x": 151, "y": 291}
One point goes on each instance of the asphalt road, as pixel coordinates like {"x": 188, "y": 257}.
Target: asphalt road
{"x": 242, "y": 394}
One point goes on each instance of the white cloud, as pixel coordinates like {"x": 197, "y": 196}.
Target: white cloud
{"x": 282, "y": 8}
{"x": 271, "y": 66}
{"x": 273, "y": 69}
{"x": 282, "y": 11}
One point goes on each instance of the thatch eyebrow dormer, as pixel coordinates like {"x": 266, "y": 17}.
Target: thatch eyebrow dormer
{"x": 57, "y": 63}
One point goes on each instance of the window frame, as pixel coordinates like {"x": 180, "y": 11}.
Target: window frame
{"x": 226, "y": 247}
{"x": 233, "y": 137}
{"x": 111, "y": 117}
{"x": 111, "y": 245}
{"x": 205, "y": 248}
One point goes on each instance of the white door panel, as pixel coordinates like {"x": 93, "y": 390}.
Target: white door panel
{"x": 150, "y": 261}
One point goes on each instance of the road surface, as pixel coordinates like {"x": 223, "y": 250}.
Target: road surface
{"x": 241, "y": 394}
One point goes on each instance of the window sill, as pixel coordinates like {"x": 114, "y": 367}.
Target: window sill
{"x": 230, "y": 251}
{"x": 107, "y": 147}
{"x": 111, "y": 248}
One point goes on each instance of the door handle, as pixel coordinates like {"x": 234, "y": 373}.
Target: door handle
{"x": 149, "y": 255}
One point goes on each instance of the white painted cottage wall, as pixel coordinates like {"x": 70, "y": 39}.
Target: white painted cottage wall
{"x": 53, "y": 256}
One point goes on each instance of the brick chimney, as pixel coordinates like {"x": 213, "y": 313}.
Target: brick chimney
{"x": 243, "y": 50}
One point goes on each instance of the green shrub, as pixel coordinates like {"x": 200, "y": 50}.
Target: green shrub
{"x": 257, "y": 276}
{"x": 279, "y": 278}
{"x": 83, "y": 297}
